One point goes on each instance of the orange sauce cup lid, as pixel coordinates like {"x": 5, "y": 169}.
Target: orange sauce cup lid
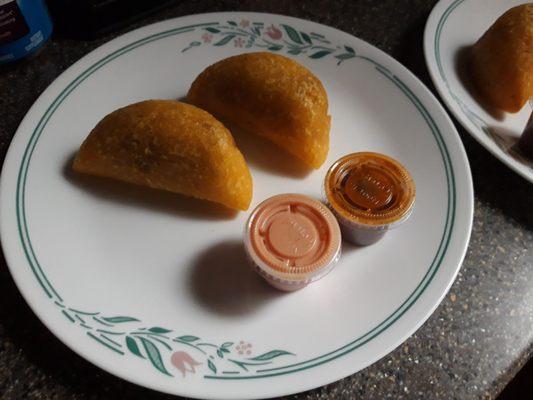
{"x": 370, "y": 189}
{"x": 294, "y": 237}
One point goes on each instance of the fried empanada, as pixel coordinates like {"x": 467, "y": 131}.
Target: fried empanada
{"x": 502, "y": 60}
{"x": 269, "y": 95}
{"x": 168, "y": 145}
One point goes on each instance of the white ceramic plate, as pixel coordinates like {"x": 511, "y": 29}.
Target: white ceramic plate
{"x": 154, "y": 287}
{"x": 452, "y": 27}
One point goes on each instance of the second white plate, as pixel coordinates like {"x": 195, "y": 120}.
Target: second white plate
{"x": 452, "y": 27}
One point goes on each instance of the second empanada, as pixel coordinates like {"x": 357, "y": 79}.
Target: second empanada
{"x": 502, "y": 60}
{"x": 272, "y": 96}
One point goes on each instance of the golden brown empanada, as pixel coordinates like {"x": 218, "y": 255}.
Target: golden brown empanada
{"x": 269, "y": 95}
{"x": 502, "y": 60}
{"x": 168, "y": 145}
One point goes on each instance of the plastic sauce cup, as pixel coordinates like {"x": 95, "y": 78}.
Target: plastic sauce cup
{"x": 369, "y": 193}
{"x": 292, "y": 240}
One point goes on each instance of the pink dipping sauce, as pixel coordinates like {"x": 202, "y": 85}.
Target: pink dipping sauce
{"x": 292, "y": 240}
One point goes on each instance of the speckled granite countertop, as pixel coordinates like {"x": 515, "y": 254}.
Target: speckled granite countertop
{"x": 474, "y": 343}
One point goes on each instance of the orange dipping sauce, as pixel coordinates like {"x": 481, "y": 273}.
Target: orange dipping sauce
{"x": 292, "y": 240}
{"x": 369, "y": 193}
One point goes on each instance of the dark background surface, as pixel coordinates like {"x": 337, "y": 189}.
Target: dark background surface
{"x": 471, "y": 347}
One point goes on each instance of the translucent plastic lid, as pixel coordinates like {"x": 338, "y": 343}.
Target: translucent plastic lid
{"x": 293, "y": 235}
{"x": 370, "y": 189}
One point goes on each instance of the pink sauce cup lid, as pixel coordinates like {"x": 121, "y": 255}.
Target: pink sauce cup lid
{"x": 292, "y": 238}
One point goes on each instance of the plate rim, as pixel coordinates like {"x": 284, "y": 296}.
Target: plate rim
{"x": 438, "y": 17}
{"x": 83, "y": 61}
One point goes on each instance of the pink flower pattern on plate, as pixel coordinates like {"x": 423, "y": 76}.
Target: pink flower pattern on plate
{"x": 244, "y": 348}
{"x": 184, "y": 362}
{"x": 274, "y": 32}
{"x": 239, "y": 42}
{"x": 245, "y": 33}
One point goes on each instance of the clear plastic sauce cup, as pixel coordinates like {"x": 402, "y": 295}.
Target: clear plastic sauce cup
{"x": 292, "y": 240}
{"x": 369, "y": 193}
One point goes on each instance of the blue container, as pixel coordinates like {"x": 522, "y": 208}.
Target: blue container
{"x": 25, "y": 26}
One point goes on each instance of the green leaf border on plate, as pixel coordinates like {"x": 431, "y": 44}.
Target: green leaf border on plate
{"x": 275, "y": 37}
